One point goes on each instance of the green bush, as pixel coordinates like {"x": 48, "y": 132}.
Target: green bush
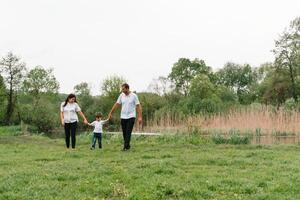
{"x": 234, "y": 137}
{"x": 43, "y": 116}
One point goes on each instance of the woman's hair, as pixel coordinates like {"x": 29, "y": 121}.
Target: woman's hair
{"x": 70, "y": 96}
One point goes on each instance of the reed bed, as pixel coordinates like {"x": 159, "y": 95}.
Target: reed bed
{"x": 264, "y": 120}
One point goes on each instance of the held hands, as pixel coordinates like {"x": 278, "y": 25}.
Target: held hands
{"x": 85, "y": 121}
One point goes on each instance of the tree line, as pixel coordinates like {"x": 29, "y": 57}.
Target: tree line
{"x": 192, "y": 87}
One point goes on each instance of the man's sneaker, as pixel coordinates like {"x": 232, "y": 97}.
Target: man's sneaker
{"x": 92, "y": 148}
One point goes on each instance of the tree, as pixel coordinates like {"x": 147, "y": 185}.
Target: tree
{"x": 40, "y": 84}
{"x": 13, "y": 71}
{"x": 151, "y": 103}
{"x": 160, "y": 86}
{"x": 2, "y": 99}
{"x": 239, "y": 78}
{"x": 111, "y": 86}
{"x": 39, "y": 81}
{"x": 287, "y": 53}
{"x": 184, "y": 71}
{"x": 82, "y": 89}
{"x": 201, "y": 87}
{"x": 275, "y": 88}
{"x": 85, "y": 98}
{"x": 2, "y": 90}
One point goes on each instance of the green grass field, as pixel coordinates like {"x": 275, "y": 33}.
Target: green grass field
{"x": 160, "y": 167}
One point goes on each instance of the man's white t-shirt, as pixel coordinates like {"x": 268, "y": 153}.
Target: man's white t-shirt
{"x": 99, "y": 125}
{"x": 128, "y": 103}
{"x": 70, "y": 112}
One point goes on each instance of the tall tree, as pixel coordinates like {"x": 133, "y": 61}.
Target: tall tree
{"x": 202, "y": 87}
{"x": 82, "y": 89}
{"x": 287, "y": 53}
{"x": 111, "y": 86}
{"x": 184, "y": 71}
{"x": 237, "y": 77}
{"x": 13, "y": 71}
{"x": 275, "y": 88}
{"x": 160, "y": 86}
{"x": 2, "y": 89}
{"x": 85, "y": 98}
{"x": 40, "y": 81}
{"x": 2, "y": 99}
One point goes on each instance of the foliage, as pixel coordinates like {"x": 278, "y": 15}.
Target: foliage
{"x": 12, "y": 70}
{"x": 39, "y": 81}
{"x": 111, "y": 86}
{"x": 184, "y": 71}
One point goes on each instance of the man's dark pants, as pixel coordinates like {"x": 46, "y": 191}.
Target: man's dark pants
{"x": 127, "y": 126}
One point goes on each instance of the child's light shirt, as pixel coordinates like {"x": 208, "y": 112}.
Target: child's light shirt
{"x": 99, "y": 125}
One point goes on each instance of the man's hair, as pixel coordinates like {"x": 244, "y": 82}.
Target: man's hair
{"x": 98, "y": 115}
{"x": 125, "y": 85}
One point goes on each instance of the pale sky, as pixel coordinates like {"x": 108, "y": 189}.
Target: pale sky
{"x": 88, "y": 40}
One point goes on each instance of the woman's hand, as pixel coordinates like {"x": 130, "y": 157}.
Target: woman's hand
{"x": 85, "y": 121}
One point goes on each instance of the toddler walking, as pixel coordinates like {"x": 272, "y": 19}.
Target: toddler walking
{"x": 98, "y": 130}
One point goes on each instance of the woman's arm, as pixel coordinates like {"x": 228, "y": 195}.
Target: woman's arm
{"x": 62, "y": 118}
{"x": 83, "y": 117}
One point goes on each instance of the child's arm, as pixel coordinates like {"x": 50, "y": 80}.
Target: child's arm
{"x": 105, "y": 121}
{"x": 91, "y": 124}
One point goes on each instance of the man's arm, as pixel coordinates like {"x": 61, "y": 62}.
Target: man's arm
{"x": 139, "y": 111}
{"x": 114, "y": 108}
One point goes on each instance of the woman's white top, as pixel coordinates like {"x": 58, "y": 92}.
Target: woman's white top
{"x": 70, "y": 112}
{"x": 99, "y": 125}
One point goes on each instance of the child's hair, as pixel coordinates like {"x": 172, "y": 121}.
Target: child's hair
{"x": 98, "y": 115}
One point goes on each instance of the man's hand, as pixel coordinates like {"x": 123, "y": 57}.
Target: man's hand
{"x": 140, "y": 120}
{"x": 109, "y": 116}
{"x": 62, "y": 122}
{"x": 139, "y": 123}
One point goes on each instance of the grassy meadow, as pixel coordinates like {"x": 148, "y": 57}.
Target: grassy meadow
{"x": 159, "y": 167}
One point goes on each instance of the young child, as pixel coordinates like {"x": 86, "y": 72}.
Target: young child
{"x": 98, "y": 130}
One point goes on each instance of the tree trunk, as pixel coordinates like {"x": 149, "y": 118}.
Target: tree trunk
{"x": 294, "y": 91}
{"x": 9, "y": 109}
{"x": 10, "y": 105}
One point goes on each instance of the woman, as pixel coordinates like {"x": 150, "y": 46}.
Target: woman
{"x": 69, "y": 118}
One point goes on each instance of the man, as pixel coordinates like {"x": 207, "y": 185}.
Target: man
{"x": 130, "y": 103}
